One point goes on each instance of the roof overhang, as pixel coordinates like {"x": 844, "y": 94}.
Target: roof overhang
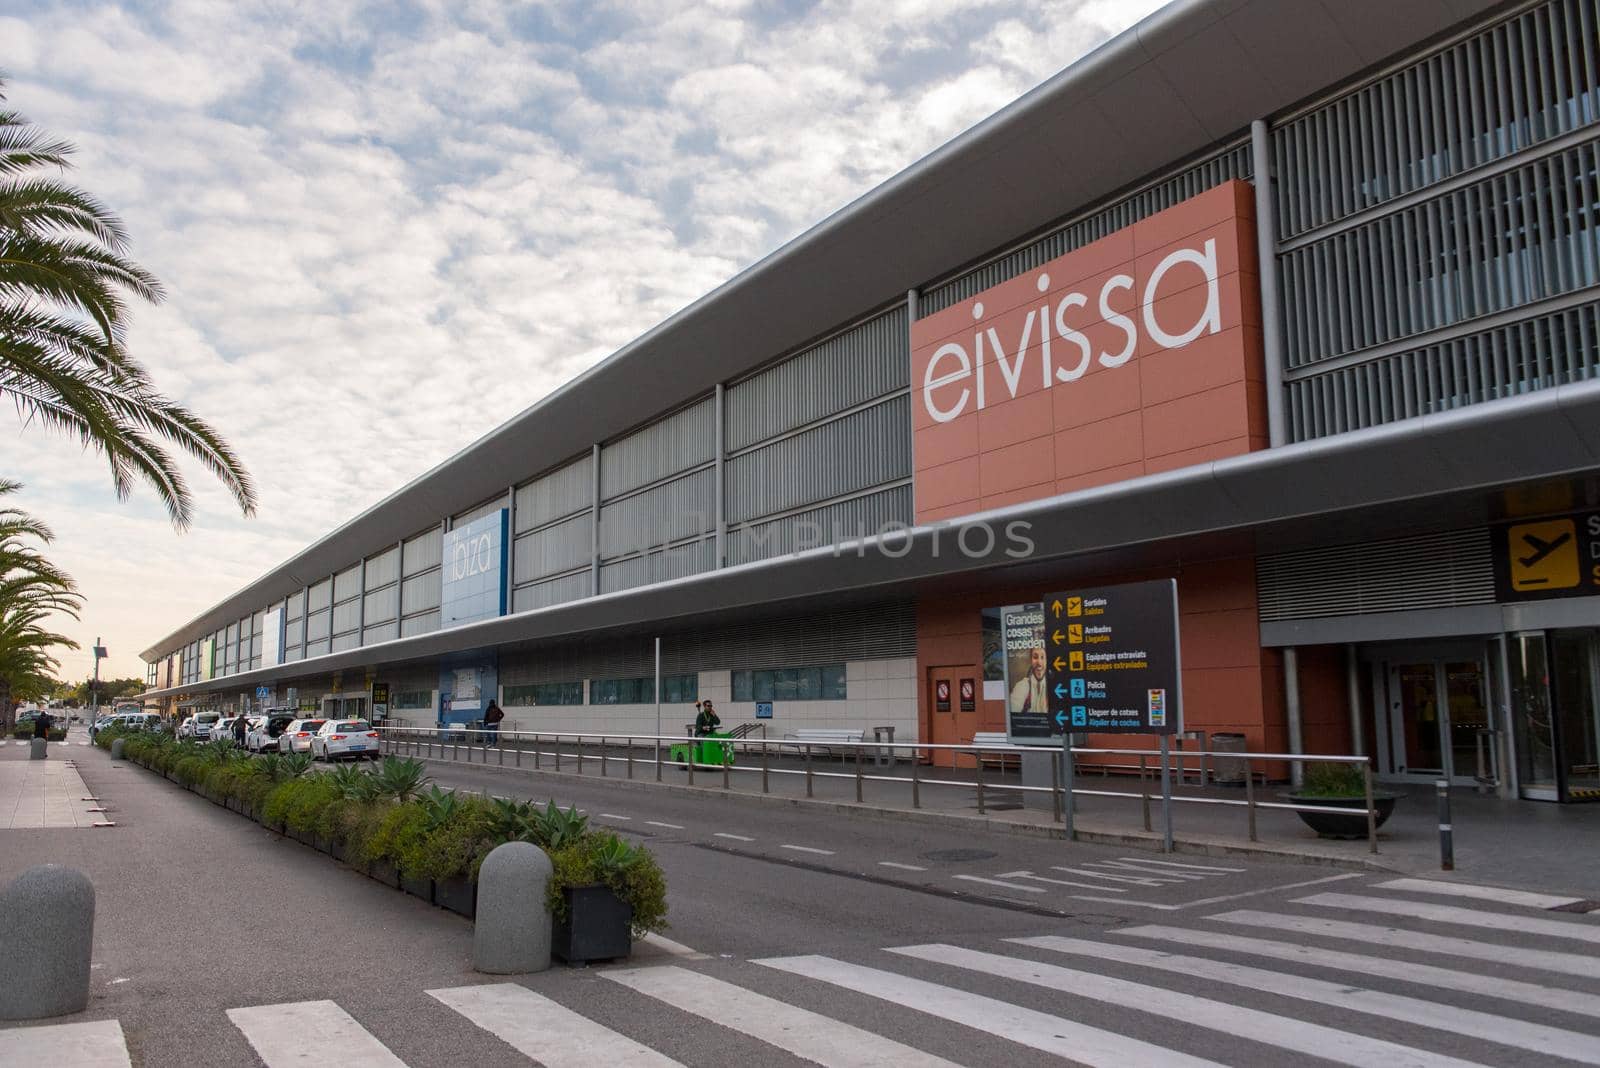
{"x": 1190, "y": 76}
{"x": 1430, "y": 473}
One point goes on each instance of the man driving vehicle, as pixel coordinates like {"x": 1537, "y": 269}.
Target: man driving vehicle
{"x": 706, "y": 720}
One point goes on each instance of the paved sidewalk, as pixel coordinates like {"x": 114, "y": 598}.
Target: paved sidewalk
{"x": 44, "y": 793}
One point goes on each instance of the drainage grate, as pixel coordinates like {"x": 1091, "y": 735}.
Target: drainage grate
{"x": 960, "y": 854}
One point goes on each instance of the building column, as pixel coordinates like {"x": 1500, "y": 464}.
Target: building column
{"x": 1352, "y": 689}
{"x": 1267, "y": 275}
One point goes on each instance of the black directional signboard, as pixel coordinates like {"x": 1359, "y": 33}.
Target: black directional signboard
{"x": 1113, "y": 659}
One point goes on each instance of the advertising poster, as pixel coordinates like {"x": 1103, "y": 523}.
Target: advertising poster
{"x": 1027, "y": 701}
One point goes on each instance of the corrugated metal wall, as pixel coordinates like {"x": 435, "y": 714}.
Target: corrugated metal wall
{"x": 562, "y": 492}
{"x": 679, "y": 561}
{"x": 867, "y": 361}
{"x": 545, "y": 593}
{"x": 832, "y": 524}
{"x": 1459, "y": 188}
{"x": 1428, "y": 571}
{"x": 685, "y": 439}
{"x": 664, "y": 513}
{"x": 561, "y": 546}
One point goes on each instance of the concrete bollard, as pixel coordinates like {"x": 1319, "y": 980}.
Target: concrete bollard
{"x": 37, "y": 749}
{"x": 117, "y": 747}
{"x": 46, "y": 938}
{"x": 511, "y": 933}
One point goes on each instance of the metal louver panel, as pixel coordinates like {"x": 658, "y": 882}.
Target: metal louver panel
{"x": 855, "y": 452}
{"x": 682, "y": 440}
{"x": 659, "y": 515}
{"x": 868, "y": 360}
{"x": 562, "y": 492}
{"x": 423, "y": 551}
{"x": 679, "y": 561}
{"x": 1232, "y": 163}
{"x": 552, "y": 591}
{"x": 558, "y": 547}
{"x": 830, "y": 524}
{"x": 1550, "y": 350}
{"x": 1403, "y": 574}
{"x": 1524, "y": 81}
{"x": 1511, "y": 239}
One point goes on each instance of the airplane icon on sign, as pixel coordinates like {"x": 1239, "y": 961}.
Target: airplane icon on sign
{"x": 1541, "y": 548}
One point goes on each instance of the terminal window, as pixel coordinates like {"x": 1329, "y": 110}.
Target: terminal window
{"x": 546, "y": 693}
{"x": 675, "y": 689}
{"x": 819, "y": 682}
{"x": 412, "y": 699}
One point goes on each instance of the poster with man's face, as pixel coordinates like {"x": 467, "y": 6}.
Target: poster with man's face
{"x": 1027, "y": 704}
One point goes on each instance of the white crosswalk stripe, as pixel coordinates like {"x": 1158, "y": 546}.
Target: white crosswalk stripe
{"x": 311, "y": 1034}
{"x": 1548, "y": 960}
{"x": 1573, "y": 930}
{"x": 1553, "y": 1041}
{"x": 94, "y": 1044}
{"x": 1485, "y": 985}
{"x": 551, "y": 1034}
{"x": 1480, "y": 893}
{"x": 1284, "y": 1032}
{"x": 1038, "y": 1030}
{"x": 806, "y": 1034}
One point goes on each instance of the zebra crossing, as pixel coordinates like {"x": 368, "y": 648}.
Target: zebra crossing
{"x": 1409, "y": 972}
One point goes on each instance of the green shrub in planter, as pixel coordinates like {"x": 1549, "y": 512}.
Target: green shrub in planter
{"x": 456, "y": 836}
{"x": 603, "y": 859}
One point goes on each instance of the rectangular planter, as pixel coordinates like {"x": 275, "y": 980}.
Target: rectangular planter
{"x": 338, "y": 850}
{"x": 323, "y": 845}
{"x": 596, "y": 927}
{"x": 422, "y": 888}
{"x": 458, "y": 895}
{"x": 384, "y": 872}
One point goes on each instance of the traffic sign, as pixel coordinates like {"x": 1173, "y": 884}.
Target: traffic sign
{"x": 1113, "y": 659}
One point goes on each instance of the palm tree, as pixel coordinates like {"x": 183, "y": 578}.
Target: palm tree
{"x": 31, "y": 588}
{"x": 64, "y": 365}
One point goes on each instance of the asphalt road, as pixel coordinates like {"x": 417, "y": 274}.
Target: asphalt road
{"x": 788, "y": 956}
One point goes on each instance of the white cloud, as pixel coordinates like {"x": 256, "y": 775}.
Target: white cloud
{"x": 359, "y": 215}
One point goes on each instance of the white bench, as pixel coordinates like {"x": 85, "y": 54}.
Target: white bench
{"x": 995, "y": 738}
{"x": 824, "y": 737}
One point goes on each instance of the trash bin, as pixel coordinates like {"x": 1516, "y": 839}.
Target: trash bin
{"x": 1229, "y": 771}
{"x": 881, "y": 735}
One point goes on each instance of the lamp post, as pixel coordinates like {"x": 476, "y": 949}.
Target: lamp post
{"x": 94, "y": 687}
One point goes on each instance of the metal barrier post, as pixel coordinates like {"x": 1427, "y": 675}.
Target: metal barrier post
{"x": 977, "y": 763}
{"x": 764, "y": 788}
{"x": 1372, "y": 813}
{"x": 630, "y": 758}
{"x": 604, "y": 774}
{"x": 916, "y": 781}
{"x": 1055, "y": 788}
{"x": 516, "y": 750}
{"x": 658, "y": 758}
{"x": 537, "y": 753}
{"x": 580, "y": 753}
{"x": 726, "y": 754}
{"x": 558, "y": 752}
{"x": 858, "y": 774}
{"x": 1250, "y": 799}
{"x": 693, "y": 756}
{"x": 1166, "y": 793}
{"x": 1144, "y": 791}
{"x": 808, "y": 769}
{"x": 1447, "y": 845}
{"x": 499, "y": 749}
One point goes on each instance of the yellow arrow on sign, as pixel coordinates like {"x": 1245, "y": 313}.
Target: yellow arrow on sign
{"x": 1057, "y": 637}
{"x": 1059, "y": 663}
{"x": 1055, "y": 606}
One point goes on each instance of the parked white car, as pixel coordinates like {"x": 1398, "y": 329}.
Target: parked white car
{"x": 199, "y": 725}
{"x": 223, "y": 729}
{"x": 265, "y": 732}
{"x": 338, "y": 738}
{"x": 296, "y": 737}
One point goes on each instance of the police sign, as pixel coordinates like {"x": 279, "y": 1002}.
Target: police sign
{"x": 1113, "y": 659}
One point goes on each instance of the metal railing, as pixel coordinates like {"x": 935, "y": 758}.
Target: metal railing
{"x": 570, "y": 752}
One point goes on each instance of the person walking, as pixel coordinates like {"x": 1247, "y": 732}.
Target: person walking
{"x": 241, "y": 724}
{"x": 492, "y": 717}
{"x": 42, "y": 724}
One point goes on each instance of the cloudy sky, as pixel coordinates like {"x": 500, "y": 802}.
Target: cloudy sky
{"x": 364, "y": 212}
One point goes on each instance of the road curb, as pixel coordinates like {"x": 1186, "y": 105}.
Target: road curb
{"x": 1205, "y": 847}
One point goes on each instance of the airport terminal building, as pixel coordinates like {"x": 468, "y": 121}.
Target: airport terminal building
{"x": 1296, "y": 302}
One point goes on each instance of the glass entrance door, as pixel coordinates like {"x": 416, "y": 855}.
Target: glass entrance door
{"x": 1433, "y": 712}
{"x": 1555, "y": 677}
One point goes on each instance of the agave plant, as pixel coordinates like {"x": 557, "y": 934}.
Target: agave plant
{"x": 441, "y": 806}
{"x": 513, "y": 821}
{"x": 354, "y": 784}
{"x": 612, "y": 858}
{"x": 293, "y": 766}
{"x": 401, "y": 779}
{"x": 555, "y": 829}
